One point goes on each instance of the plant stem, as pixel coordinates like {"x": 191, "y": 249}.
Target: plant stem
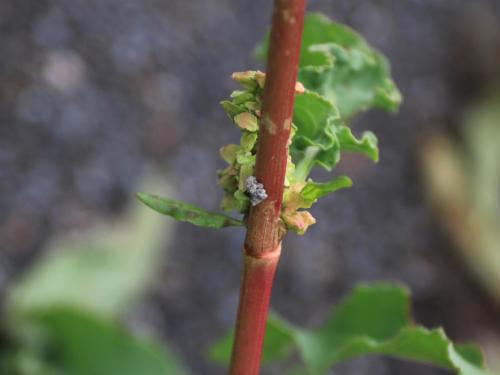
{"x": 263, "y": 239}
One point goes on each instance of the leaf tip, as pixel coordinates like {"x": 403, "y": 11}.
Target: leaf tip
{"x": 142, "y": 197}
{"x": 346, "y": 181}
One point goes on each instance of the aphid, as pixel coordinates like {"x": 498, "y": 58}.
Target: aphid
{"x": 255, "y": 190}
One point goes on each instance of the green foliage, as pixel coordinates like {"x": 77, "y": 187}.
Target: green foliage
{"x": 343, "y": 75}
{"x": 63, "y": 316}
{"x": 367, "y": 145}
{"x": 186, "y": 212}
{"x": 105, "y": 271}
{"x": 315, "y": 190}
{"x": 338, "y": 63}
{"x": 85, "y": 344}
{"x": 244, "y": 111}
{"x": 372, "y": 320}
{"x": 321, "y": 135}
{"x": 316, "y": 120}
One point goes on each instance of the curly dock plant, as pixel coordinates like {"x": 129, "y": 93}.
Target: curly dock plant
{"x": 288, "y": 127}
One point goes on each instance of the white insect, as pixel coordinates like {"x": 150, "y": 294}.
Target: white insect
{"x": 255, "y": 190}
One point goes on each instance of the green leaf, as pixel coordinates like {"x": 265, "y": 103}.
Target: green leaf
{"x": 367, "y": 145}
{"x": 248, "y": 140}
{"x": 25, "y": 362}
{"x": 320, "y": 135}
{"x": 358, "y": 81}
{"x": 315, "y": 190}
{"x": 228, "y": 153}
{"x": 60, "y": 317}
{"x": 338, "y": 63}
{"x": 314, "y": 117}
{"x": 105, "y": 270}
{"x": 80, "y": 343}
{"x": 247, "y": 121}
{"x": 242, "y": 200}
{"x": 181, "y": 211}
{"x": 240, "y": 97}
{"x": 315, "y": 140}
{"x": 372, "y": 320}
{"x": 245, "y": 157}
{"x": 246, "y": 170}
{"x": 232, "y": 109}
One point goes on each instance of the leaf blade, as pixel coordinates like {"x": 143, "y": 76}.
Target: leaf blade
{"x": 374, "y": 320}
{"x": 338, "y": 63}
{"x": 315, "y": 190}
{"x": 315, "y": 119}
{"x": 84, "y": 343}
{"x": 367, "y": 145}
{"x": 181, "y": 211}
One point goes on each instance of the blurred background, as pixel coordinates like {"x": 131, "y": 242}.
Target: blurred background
{"x": 102, "y": 98}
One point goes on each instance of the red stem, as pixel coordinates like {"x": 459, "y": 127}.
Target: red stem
{"x": 263, "y": 239}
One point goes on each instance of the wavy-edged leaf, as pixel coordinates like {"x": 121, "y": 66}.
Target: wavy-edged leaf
{"x": 320, "y": 135}
{"x": 181, "y": 211}
{"x": 314, "y": 117}
{"x": 359, "y": 80}
{"x": 367, "y": 145}
{"x": 315, "y": 140}
{"x": 338, "y": 63}
{"x": 315, "y": 190}
{"x": 372, "y": 320}
{"x": 318, "y": 29}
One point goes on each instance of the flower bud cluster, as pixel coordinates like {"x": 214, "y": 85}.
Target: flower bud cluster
{"x": 240, "y": 186}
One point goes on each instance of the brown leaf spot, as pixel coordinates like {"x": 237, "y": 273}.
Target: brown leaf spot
{"x": 269, "y": 125}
